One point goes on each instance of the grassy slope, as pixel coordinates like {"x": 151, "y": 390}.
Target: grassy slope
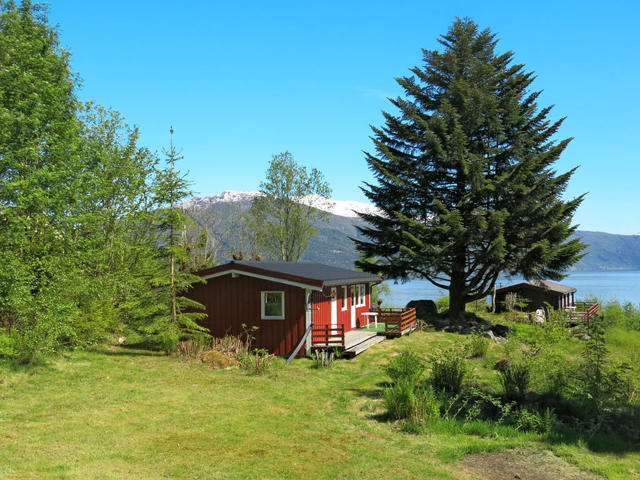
{"x": 116, "y": 414}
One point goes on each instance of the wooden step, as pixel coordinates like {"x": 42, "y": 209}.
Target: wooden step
{"x": 361, "y": 347}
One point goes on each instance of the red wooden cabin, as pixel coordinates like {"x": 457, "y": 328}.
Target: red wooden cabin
{"x": 282, "y": 299}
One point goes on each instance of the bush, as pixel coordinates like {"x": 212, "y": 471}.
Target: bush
{"x": 406, "y": 366}
{"x": 404, "y": 401}
{"x": 448, "y": 371}
{"x": 477, "y": 345}
{"x": 191, "y": 347}
{"x": 625, "y": 316}
{"x": 600, "y": 381}
{"x": 515, "y": 379}
{"x": 400, "y": 400}
{"x": 532, "y": 420}
{"x": 258, "y": 362}
{"x": 442, "y": 304}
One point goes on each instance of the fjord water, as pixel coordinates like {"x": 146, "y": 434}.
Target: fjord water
{"x": 620, "y": 285}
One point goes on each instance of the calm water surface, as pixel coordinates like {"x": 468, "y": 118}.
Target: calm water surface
{"x": 623, "y": 286}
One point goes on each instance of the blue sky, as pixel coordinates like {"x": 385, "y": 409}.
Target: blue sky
{"x": 241, "y": 81}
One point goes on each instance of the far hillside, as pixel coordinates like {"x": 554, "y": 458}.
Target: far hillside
{"x": 333, "y": 246}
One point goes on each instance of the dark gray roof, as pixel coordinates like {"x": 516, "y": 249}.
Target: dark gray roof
{"x": 316, "y": 271}
{"x": 553, "y": 286}
{"x": 542, "y": 284}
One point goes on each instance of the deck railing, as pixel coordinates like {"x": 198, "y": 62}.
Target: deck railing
{"x": 327, "y": 336}
{"x": 397, "y": 320}
{"x": 584, "y": 311}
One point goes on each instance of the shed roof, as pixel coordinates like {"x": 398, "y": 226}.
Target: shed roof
{"x": 545, "y": 285}
{"x": 306, "y": 274}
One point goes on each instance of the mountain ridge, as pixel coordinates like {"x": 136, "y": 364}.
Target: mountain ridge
{"x": 333, "y": 245}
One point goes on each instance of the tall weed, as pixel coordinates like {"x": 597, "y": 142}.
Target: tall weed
{"x": 515, "y": 379}
{"x": 477, "y": 345}
{"x": 448, "y": 370}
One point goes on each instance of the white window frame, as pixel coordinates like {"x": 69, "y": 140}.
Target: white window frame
{"x": 271, "y": 317}
{"x": 363, "y": 295}
{"x": 345, "y": 299}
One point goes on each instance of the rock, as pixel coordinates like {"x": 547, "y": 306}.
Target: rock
{"x": 218, "y": 360}
{"x": 489, "y": 334}
{"x": 424, "y": 308}
{"x": 494, "y": 337}
{"x": 585, "y": 337}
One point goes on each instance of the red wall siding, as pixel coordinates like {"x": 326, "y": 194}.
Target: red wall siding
{"x": 230, "y": 302}
{"x": 322, "y": 308}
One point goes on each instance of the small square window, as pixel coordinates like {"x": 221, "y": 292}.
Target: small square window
{"x": 272, "y": 305}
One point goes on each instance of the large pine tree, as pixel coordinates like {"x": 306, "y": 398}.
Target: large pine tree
{"x": 465, "y": 177}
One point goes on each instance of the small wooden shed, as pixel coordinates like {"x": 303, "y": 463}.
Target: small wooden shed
{"x": 536, "y": 294}
{"x": 282, "y": 299}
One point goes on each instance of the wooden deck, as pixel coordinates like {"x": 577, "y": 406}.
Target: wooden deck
{"x": 398, "y": 321}
{"x": 583, "y": 312}
{"x": 349, "y": 343}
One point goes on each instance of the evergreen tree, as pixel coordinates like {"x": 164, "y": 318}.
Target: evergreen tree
{"x": 282, "y": 217}
{"x": 465, "y": 177}
{"x": 164, "y": 312}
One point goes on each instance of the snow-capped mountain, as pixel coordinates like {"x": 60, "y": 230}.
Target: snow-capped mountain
{"x": 342, "y": 208}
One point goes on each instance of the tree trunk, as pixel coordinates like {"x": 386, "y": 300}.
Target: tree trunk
{"x": 457, "y": 298}
{"x": 456, "y": 305}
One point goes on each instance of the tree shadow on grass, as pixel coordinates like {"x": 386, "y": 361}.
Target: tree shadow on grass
{"x": 133, "y": 350}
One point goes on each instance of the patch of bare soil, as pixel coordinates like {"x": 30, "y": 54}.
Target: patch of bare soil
{"x": 523, "y": 465}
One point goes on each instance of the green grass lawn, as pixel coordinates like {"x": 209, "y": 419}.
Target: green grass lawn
{"x": 132, "y": 414}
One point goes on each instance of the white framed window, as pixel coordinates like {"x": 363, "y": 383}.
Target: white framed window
{"x": 363, "y": 295}
{"x": 272, "y": 305}
{"x": 344, "y": 297}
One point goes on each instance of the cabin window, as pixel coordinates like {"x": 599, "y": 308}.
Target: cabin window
{"x": 272, "y": 305}
{"x": 344, "y": 297}
{"x": 363, "y": 295}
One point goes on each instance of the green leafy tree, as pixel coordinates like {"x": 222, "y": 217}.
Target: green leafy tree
{"x": 40, "y": 170}
{"x": 116, "y": 218}
{"x": 283, "y": 216}
{"x": 465, "y": 176}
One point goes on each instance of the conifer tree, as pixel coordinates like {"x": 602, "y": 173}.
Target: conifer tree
{"x": 464, "y": 175}
{"x": 166, "y": 313}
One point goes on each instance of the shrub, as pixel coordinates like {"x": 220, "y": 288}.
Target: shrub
{"x": 530, "y": 420}
{"x": 442, "y": 304}
{"x": 427, "y": 405}
{"x": 258, "y": 362}
{"x": 405, "y": 366}
{"x": 448, "y": 371}
{"x": 477, "y": 345}
{"x": 404, "y": 401}
{"x": 515, "y": 379}
{"x": 400, "y": 399}
{"x": 191, "y": 347}
{"x": 601, "y": 382}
